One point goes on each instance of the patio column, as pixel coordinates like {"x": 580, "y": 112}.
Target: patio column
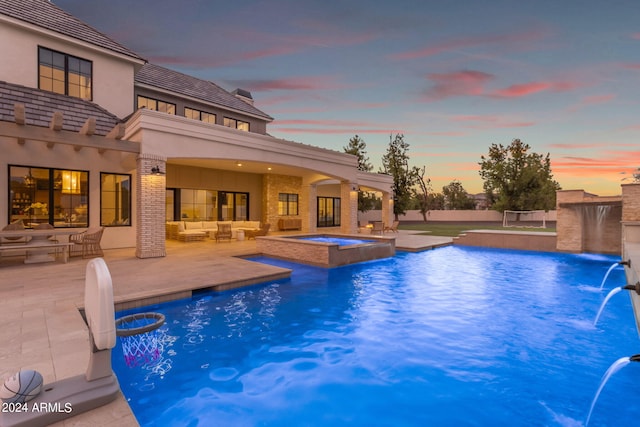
{"x": 349, "y": 207}
{"x": 310, "y": 215}
{"x": 150, "y": 206}
{"x": 387, "y": 209}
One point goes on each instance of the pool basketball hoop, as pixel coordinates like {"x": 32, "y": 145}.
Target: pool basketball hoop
{"x": 139, "y": 336}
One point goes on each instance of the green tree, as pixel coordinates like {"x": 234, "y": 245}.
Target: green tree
{"x": 515, "y": 179}
{"x": 358, "y": 148}
{"x": 422, "y": 190}
{"x": 456, "y": 196}
{"x": 395, "y": 162}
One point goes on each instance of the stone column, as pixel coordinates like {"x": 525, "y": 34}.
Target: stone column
{"x": 348, "y": 207}
{"x": 310, "y": 215}
{"x": 150, "y": 206}
{"x": 569, "y": 226}
{"x": 630, "y": 213}
{"x": 387, "y": 209}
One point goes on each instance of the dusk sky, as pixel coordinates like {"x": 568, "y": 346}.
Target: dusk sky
{"x": 452, "y": 76}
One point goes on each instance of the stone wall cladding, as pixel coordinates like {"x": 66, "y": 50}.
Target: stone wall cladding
{"x": 631, "y": 202}
{"x": 150, "y": 204}
{"x": 273, "y": 185}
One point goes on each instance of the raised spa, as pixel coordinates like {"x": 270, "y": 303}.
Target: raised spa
{"x": 326, "y": 250}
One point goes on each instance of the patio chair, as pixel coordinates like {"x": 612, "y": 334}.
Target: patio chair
{"x": 393, "y": 228}
{"x": 378, "y": 228}
{"x": 224, "y": 232}
{"x": 262, "y": 231}
{"x": 87, "y": 243}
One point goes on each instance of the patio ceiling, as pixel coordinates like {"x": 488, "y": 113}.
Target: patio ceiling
{"x": 254, "y": 167}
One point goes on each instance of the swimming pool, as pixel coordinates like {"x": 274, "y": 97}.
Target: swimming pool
{"x": 455, "y": 336}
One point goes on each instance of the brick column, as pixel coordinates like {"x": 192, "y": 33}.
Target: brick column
{"x": 310, "y": 215}
{"x": 569, "y": 225}
{"x": 348, "y": 207}
{"x": 387, "y": 209}
{"x": 150, "y": 206}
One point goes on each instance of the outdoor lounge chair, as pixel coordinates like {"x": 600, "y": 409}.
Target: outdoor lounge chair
{"x": 262, "y": 231}
{"x": 378, "y": 228}
{"x": 224, "y": 232}
{"x": 87, "y": 243}
{"x": 393, "y": 228}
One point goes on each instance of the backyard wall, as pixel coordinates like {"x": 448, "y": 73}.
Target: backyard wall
{"x": 446, "y": 215}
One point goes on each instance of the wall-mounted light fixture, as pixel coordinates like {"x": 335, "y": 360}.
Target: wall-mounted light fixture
{"x": 156, "y": 170}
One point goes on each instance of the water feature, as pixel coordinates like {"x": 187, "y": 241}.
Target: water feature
{"x": 611, "y": 293}
{"x": 615, "y": 367}
{"x": 453, "y": 336}
{"x": 604, "y": 279}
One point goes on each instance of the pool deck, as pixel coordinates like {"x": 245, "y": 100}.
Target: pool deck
{"x": 43, "y": 330}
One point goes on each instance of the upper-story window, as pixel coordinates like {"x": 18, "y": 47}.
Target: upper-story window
{"x": 64, "y": 74}
{"x": 199, "y": 115}
{"x": 156, "y": 105}
{"x": 237, "y": 124}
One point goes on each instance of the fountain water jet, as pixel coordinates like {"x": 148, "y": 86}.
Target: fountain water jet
{"x": 627, "y": 263}
{"x": 615, "y": 367}
{"x": 611, "y": 293}
{"x": 604, "y": 303}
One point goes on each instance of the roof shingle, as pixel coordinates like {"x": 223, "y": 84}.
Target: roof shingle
{"x": 40, "y": 106}
{"x": 45, "y": 14}
{"x": 183, "y": 84}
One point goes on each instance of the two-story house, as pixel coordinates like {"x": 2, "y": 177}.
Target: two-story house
{"x": 91, "y": 134}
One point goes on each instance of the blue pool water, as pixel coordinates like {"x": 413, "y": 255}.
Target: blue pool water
{"x": 340, "y": 241}
{"x": 451, "y": 337}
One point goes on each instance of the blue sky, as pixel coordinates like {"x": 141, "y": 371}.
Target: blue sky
{"x": 453, "y": 77}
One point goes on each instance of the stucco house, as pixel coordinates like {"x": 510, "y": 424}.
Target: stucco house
{"x": 92, "y": 134}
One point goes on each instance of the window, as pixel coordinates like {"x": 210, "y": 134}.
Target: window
{"x": 237, "y": 124}
{"x": 328, "y": 211}
{"x": 156, "y": 105}
{"x": 208, "y": 205}
{"x": 43, "y": 195}
{"x": 115, "y": 199}
{"x": 287, "y": 204}
{"x": 64, "y": 74}
{"x": 199, "y": 115}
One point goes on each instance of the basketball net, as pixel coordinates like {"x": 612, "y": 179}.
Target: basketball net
{"x": 140, "y": 338}
{"x": 140, "y": 350}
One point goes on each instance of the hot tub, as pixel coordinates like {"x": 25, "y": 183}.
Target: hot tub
{"x": 326, "y": 250}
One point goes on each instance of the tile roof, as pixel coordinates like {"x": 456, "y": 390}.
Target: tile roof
{"x": 183, "y": 84}
{"x": 45, "y": 14}
{"x": 40, "y": 105}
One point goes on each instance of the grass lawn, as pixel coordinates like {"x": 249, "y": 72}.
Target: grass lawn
{"x": 454, "y": 229}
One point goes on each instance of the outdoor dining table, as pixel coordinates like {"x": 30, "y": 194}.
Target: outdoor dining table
{"x": 39, "y": 245}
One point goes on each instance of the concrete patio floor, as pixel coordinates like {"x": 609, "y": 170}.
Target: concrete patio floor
{"x": 43, "y": 329}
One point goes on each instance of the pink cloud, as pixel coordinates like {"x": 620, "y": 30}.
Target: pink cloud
{"x": 632, "y": 65}
{"x": 635, "y": 36}
{"x": 592, "y": 100}
{"x": 609, "y": 162}
{"x": 458, "y": 83}
{"x": 468, "y": 42}
{"x": 525, "y": 89}
{"x": 320, "y": 122}
{"x": 360, "y": 131}
{"x": 293, "y": 83}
